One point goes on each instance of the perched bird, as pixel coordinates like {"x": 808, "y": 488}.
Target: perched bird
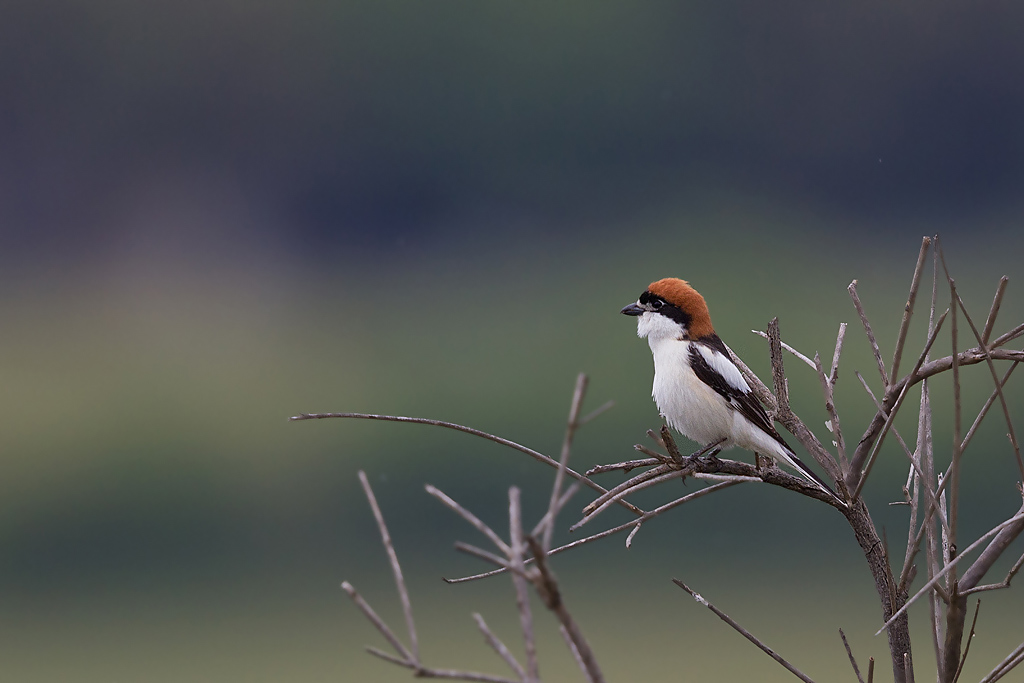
{"x": 697, "y": 387}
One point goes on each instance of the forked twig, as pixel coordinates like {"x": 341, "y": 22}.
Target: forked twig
{"x": 744, "y": 632}
{"x": 396, "y": 568}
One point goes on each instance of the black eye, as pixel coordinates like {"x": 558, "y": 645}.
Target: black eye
{"x": 656, "y": 303}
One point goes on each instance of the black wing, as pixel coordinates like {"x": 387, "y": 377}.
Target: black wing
{"x": 741, "y": 400}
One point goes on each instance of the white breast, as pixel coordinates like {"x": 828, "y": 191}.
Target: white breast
{"x": 688, "y": 404}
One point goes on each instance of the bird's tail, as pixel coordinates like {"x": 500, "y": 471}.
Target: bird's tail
{"x": 803, "y": 469}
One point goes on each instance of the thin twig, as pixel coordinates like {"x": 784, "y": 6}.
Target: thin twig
{"x": 450, "y": 674}
{"x": 547, "y": 588}
{"x": 609, "y": 532}
{"x": 1004, "y": 667}
{"x": 993, "y": 311}
{"x": 895, "y": 408}
{"x": 570, "y": 431}
{"x": 396, "y": 568}
{"x": 499, "y": 646}
{"x": 469, "y": 517}
{"x": 540, "y": 457}
{"x": 744, "y": 632}
{"x": 871, "y": 669}
{"x": 374, "y": 619}
{"x": 908, "y": 309}
{"x": 849, "y": 653}
{"x": 1007, "y": 337}
{"x": 830, "y": 407}
{"x": 867, "y": 329}
{"x": 988, "y": 404}
{"x": 1005, "y": 583}
{"x": 914, "y": 466}
{"x": 575, "y": 653}
{"x": 833, "y": 375}
{"x": 789, "y": 348}
{"x": 515, "y": 557}
{"x": 970, "y": 638}
{"x": 999, "y": 386}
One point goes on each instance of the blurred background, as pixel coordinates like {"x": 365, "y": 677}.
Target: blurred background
{"x": 215, "y": 215}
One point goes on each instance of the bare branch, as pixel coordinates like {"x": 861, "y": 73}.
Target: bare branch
{"x": 970, "y": 638}
{"x": 499, "y": 646}
{"x": 861, "y": 455}
{"x": 651, "y": 481}
{"x": 1004, "y": 667}
{"x": 914, "y": 465}
{"x": 778, "y": 372}
{"x": 789, "y": 348}
{"x": 482, "y": 554}
{"x": 786, "y": 415}
{"x": 1005, "y": 583}
{"x": 450, "y": 674}
{"x": 570, "y": 431}
{"x": 997, "y": 301}
{"x": 928, "y": 586}
{"x": 603, "y": 408}
{"x": 540, "y": 457}
{"x": 998, "y": 383}
{"x": 867, "y": 329}
{"x": 830, "y": 407}
{"x": 833, "y": 376}
{"x": 973, "y": 576}
{"x": 744, "y": 632}
{"x": 374, "y": 619}
{"x": 1008, "y": 337}
{"x": 575, "y": 653}
{"x": 988, "y": 404}
{"x": 547, "y": 588}
{"x": 515, "y": 557}
{"x": 908, "y": 309}
{"x": 396, "y": 569}
{"x": 871, "y": 669}
{"x": 609, "y": 532}
{"x": 469, "y": 517}
{"x": 849, "y": 653}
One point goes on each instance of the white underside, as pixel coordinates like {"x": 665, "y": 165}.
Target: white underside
{"x": 689, "y": 405}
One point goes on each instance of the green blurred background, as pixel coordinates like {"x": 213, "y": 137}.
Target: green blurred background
{"x": 215, "y": 215}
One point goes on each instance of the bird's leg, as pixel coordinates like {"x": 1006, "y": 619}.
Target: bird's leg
{"x": 757, "y": 463}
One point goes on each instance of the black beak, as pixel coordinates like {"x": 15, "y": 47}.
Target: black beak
{"x": 632, "y": 309}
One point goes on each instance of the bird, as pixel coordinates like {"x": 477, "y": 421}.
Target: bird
{"x": 698, "y": 389}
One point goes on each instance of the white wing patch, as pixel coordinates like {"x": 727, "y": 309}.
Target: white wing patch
{"x": 724, "y": 367}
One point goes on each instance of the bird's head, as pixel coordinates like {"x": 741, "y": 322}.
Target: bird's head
{"x": 671, "y": 308}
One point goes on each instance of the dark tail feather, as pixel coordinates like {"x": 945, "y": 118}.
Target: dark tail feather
{"x": 803, "y": 469}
